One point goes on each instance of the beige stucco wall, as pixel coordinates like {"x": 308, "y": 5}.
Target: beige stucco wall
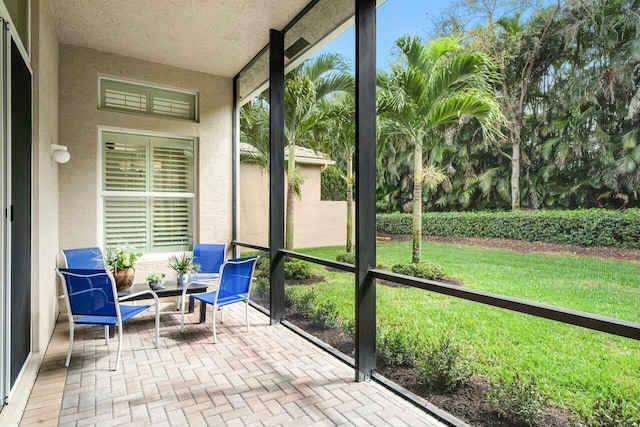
{"x": 45, "y": 174}
{"x": 316, "y": 222}
{"x": 80, "y": 121}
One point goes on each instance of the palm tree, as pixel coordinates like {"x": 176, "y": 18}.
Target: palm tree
{"x": 340, "y": 113}
{"x": 254, "y": 130}
{"x": 435, "y": 85}
{"x": 306, "y": 88}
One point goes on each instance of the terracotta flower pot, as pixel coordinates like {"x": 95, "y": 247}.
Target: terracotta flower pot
{"x": 124, "y": 278}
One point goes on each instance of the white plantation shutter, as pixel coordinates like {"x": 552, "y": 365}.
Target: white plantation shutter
{"x": 172, "y": 168}
{"x": 148, "y": 191}
{"x": 138, "y": 98}
{"x": 124, "y": 163}
{"x": 125, "y": 221}
{"x": 171, "y": 224}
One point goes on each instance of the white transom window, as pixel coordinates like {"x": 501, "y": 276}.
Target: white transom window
{"x": 147, "y": 191}
{"x": 136, "y": 98}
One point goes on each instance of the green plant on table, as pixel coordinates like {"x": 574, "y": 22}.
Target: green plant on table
{"x": 183, "y": 263}
{"x": 121, "y": 257}
{"x": 155, "y": 278}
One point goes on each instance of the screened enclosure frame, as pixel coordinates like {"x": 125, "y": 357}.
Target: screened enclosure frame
{"x": 365, "y": 271}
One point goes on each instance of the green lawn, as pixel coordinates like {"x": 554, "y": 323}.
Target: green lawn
{"x": 572, "y": 365}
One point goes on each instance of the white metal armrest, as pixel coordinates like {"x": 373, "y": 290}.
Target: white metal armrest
{"x": 126, "y": 297}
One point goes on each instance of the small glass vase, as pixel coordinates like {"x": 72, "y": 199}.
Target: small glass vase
{"x": 183, "y": 278}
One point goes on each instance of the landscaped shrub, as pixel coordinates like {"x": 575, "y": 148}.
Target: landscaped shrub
{"x": 262, "y": 287}
{"x": 587, "y": 227}
{"x": 610, "y": 413}
{"x": 293, "y": 268}
{"x": 348, "y": 257}
{"x": 398, "y": 347}
{"x": 349, "y": 327}
{"x": 444, "y": 368}
{"x": 296, "y": 269}
{"x": 307, "y": 303}
{"x": 423, "y": 269}
{"x": 518, "y": 401}
{"x": 262, "y": 265}
{"x": 326, "y": 314}
{"x": 332, "y": 184}
{"x": 304, "y": 301}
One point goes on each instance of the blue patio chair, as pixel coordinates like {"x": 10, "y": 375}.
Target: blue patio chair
{"x": 210, "y": 257}
{"x": 92, "y": 299}
{"x": 233, "y": 287}
{"x": 85, "y": 258}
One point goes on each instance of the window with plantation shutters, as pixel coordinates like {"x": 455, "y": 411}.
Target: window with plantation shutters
{"x": 147, "y": 191}
{"x": 137, "y": 98}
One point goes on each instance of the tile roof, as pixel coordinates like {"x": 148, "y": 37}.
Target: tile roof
{"x": 303, "y": 155}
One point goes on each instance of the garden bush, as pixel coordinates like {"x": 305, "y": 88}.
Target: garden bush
{"x": 296, "y": 269}
{"x": 262, "y": 265}
{"x": 444, "y": 368}
{"x": 518, "y": 401}
{"x": 398, "y": 346}
{"x": 423, "y": 269}
{"x": 293, "y": 268}
{"x": 262, "y": 287}
{"x": 307, "y": 303}
{"x": 304, "y": 301}
{"x": 326, "y": 314}
{"x": 348, "y": 257}
{"x": 586, "y": 227}
{"x": 349, "y": 327}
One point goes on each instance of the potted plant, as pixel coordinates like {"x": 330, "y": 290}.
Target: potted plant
{"x": 183, "y": 265}
{"x": 121, "y": 260}
{"x": 155, "y": 281}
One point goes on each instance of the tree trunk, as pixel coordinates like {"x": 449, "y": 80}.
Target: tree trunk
{"x": 291, "y": 195}
{"x": 417, "y": 205}
{"x": 515, "y": 168}
{"x": 349, "y": 204}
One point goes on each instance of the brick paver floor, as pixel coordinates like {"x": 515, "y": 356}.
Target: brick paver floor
{"x": 269, "y": 376}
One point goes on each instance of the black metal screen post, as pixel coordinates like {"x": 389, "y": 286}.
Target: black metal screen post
{"x": 234, "y": 169}
{"x": 365, "y": 339}
{"x": 276, "y": 174}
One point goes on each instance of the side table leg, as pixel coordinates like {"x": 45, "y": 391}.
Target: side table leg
{"x": 191, "y": 305}
{"x": 203, "y": 312}
{"x": 112, "y": 331}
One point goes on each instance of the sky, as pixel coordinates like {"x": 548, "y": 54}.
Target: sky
{"x": 395, "y": 18}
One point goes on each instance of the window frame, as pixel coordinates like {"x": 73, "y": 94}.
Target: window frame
{"x": 149, "y": 195}
{"x": 149, "y": 88}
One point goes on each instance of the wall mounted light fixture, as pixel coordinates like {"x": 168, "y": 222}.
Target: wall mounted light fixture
{"x": 60, "y": 153}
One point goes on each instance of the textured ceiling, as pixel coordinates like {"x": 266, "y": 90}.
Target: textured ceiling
{"x": 213, "y": 36}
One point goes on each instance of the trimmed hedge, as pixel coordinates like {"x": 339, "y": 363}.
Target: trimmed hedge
{"x": 588, "y": 227}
